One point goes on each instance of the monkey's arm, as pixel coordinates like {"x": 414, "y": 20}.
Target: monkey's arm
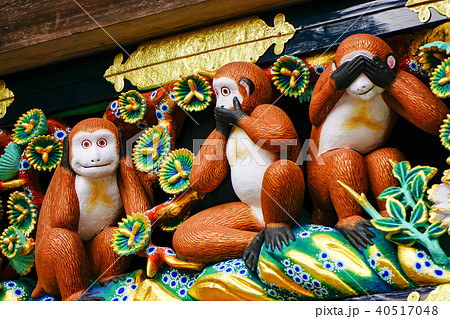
{"x": 267, "y": 126}
{"x": 210, "y": 166}
{"x": 133, "y": 194}
{"x": 414, "y": 101}
{"x": 270, "y": 126}
{"x": 134, "y": 197}
{"x": 66, "y": 212}
{"x": 324, "y": 97}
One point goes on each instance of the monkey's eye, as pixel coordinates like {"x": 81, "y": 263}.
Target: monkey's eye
{"x": 225, "y": 91}
{"x": 101, "y": 142}
{"x": 86, "y": 143}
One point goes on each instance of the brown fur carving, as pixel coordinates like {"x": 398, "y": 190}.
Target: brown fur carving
{"x": 259, "y": 150}
{"x": 353, "y": 110}
{"x": 90, "y": 189}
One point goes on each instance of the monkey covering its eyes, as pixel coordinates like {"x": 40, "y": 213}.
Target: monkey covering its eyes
{"x": 353, "y": 111}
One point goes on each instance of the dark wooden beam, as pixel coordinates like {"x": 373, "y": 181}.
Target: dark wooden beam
{"x": 80, "y": 81}
{"x": 36, "y": 33}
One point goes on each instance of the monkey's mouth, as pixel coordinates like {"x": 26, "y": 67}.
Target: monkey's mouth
{"x": 96, "y": 166}
{"x": 367, "y": 91}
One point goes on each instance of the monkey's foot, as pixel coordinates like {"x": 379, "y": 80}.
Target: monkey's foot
{"x": 157, "y": 256}
{"x": 251, "y": 254}
{"x": 356, "y": 230}
{"x": 114, "y": 279}
{"x": 276, "y": 236}
{"x": 89, "y": 296}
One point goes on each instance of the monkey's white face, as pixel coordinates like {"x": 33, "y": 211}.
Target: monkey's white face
{"x": 226, "y": 89}
{"x": 363, "y": 88}
{"x": 94, "y": 155}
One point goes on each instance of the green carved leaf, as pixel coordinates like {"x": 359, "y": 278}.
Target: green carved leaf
{"x": 403, "y": 238}
{"x": 418, "y": 186}
{"x": 394, "y": 192}
{"x": 395, "y": 209}
{"x": 427, "y": 202}
{"x": 434, "y": 230}
{"x": 427, "y": 170}
{"x": 403, "y": 200}
{"x": 419, "y": 214}
{"x": 387, "y": 225}
{"x": 400, "y": 171}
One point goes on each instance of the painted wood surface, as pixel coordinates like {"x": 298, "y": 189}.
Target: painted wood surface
{"x": 36, "y": 33}
{"x": 79, "y": 82}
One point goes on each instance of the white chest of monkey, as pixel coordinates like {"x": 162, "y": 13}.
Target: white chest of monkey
{"x": 100, "y": 204}
{"x": 356, "y": 124}
{"x": 248, "y": 163}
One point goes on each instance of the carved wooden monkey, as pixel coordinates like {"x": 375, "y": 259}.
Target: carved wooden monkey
{"x": 90, "y": 189}
{"x": 353, "y": 110}
{"x": 270, "y": 188}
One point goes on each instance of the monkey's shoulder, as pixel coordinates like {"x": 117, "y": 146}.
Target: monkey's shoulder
{"x": 272, "y": 114}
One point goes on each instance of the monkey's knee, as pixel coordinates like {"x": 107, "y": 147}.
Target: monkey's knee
{"x": 384, "y": 155}
{"x": 54, "y": 248}
{"x": 282, "y": 192}
{"x": 187, "y": 239}
{"x": 62, "y": 242}
{"x": 346, "y": 165}
{"x": 284, "y": 174}
{"x": 103, "y": 261}
{"x": 379, "y": 166}
{"x": 349, "y": 167}
{"x": 380, "y": 170}
{"x": 61, "y": 263}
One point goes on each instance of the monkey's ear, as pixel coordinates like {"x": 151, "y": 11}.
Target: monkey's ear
{"x": 122, "y": 144}
{"x": 65, "y": 162}
{"x": 333, "y": 66}
{"x": 391, "y": 60}
{"x": 248, "y": 85}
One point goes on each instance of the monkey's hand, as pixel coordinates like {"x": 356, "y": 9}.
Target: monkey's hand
{"x": 276, "y": 236}
{"x": 89, "y": 296}
{"x": 379, "y": 72}
{"x": 115, "y": 280}
{"x": 347, "y": 72}
{"x": 222, "y": 127}
{"x": 230, "y": 116}
{"x": 251, "y": 254}
{"x": 356, "y": 230}
{"x": 65, "y": 155}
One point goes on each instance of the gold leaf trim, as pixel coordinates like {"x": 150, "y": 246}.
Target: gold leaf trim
{"x": 162, "y": 61}
{"x": 6, "y": 98}
{"x": 441, "y": 293}
{"x": 422, "y": 7}
{"x": 151, "y": 290}
{"x": 227, "y": 287}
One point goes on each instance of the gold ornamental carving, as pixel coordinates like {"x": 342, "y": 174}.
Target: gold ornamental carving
{"x": 162, "y": 61}
{"x": 6, "y": 98}
{"x": 422, "y": 7}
